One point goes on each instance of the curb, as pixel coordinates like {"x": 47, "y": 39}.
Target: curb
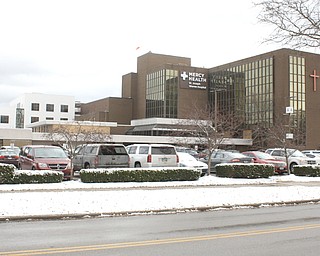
{"x": 152, "y": 212}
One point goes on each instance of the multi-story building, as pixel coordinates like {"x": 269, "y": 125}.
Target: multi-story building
{"x": 272, "y": 89}
{"x": 278, "y": 87}
{"x": 31, "y": 108}
{"x": 35, "y": 107}
{"x": 165, "y": 86}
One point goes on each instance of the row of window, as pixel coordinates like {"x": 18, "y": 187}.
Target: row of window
{"x": 4, "y": 119}
{"x": 36, "y": 119}
{"x": 49, "y": 107}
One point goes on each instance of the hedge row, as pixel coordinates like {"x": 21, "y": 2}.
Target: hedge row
{"x": 307, "y": 170}
{"x": 6, "y": 173}
{"x": 139, "y": 175}
{"x": 248, "y": 171}
{"x": 10, "y": 175}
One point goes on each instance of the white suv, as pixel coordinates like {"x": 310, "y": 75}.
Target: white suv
{"x": 152, "y": 155}
{"x": 295, "y": 157}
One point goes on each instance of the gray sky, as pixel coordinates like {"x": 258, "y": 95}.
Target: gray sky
{"x": 83, "y": 47}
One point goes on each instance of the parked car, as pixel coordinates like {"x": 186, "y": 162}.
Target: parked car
{"x": 187, "y": 160}
{"x": 280, "y": 166}
{"x": 190, "y": 151}
{"x": 152, "y": 155}
{"x": 295, "y": 157}
{"x": 221, "y": 156}
{"x": 14, "y": 148}
{"x": 43, "y": 157}
{"x": 9, "y": 156}
{"x": 204, "y": 153}
{"x": 100, "y": 156}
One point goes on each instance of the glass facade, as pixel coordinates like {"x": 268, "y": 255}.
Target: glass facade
{"x": 297, "y": 95}
{"x": 245, "y": 91}
{"x": 259, "y": 92}
{"x": 162, "y": 94}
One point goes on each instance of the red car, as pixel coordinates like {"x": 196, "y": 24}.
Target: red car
{"x": 42, "y": 157}
{"x": 8, "y": 156}
{"x": 280, "y": 167}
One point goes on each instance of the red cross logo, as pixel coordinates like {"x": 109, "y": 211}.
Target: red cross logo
{"x": 315, "y": 76}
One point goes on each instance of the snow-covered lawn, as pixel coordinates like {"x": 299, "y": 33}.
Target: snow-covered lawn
{"x": 76, "y": 198}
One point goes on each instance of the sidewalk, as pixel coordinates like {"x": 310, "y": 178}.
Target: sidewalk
{"x": 76, "y": 199}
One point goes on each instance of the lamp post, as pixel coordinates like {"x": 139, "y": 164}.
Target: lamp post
{"x": 289, "y": 112}
{"x": 215, "y": 109}
{"x": 288, "y": 135}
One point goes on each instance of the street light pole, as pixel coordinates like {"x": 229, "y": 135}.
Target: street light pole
{"x": 288, "y": 135}
{"x": 215, "y": 109}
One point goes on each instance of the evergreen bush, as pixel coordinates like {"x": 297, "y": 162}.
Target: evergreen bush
{"x": 307, "y": 170}
{"x": 160, "y": 174}
{"x": 248, "y": 171}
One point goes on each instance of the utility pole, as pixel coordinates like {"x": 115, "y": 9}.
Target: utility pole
{"x": 288, "y": 135}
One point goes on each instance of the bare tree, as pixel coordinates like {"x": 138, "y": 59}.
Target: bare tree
{"x": 285, "y": 136}
{"x": 211, "y": 129}
{"x": 295, "y": 22}
{"x": 259, "y": 136}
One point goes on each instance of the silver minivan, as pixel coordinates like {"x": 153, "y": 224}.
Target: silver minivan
{"x": 152, "y": 155}
{"x": 100, "y": 156}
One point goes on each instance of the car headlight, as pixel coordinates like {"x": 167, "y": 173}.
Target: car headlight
{"x": 43, "y": 165}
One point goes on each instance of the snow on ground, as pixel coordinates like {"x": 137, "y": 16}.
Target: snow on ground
{"x": 72, "y": 198}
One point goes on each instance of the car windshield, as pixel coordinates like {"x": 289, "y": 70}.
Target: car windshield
{"x": 262, "y": 155}
{"x": 7, "y": 152}
{"x": 187, "y": 150}
{"x": 49, "y": 153}
{"x": 15, "y": 149}
{"x": 186, "y": 156}
{"x": 296, "y": 153}
{"x": 236, "y": 155}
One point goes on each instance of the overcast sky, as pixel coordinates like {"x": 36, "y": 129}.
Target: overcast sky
{"x": 83, "y": 47}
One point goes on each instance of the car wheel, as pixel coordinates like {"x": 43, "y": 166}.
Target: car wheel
{"x": 33, "y": 168}
{"x": 291, "y": 167}
{"x": 137, "y": 165}
{"x": 86, "y": 166}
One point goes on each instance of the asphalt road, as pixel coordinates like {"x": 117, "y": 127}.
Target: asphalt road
{"x": 285, "y": 230}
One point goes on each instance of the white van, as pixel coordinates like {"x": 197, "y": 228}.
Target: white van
{"x": 100, "y": 156}
{"x": 152, "y": 155}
